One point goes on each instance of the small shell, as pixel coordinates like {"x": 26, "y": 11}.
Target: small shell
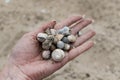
{"x": 71, "y": 38}
{"x": 46, "y": 54}
{"x": 65, "y": 31}
{"x": 53, "y": 47}
{"x": 58, "y": 55}
{"x": 53, "y": 31}
{"x": 55, "y": 40}
{"x": 79, "y": 33}
{"x": 46, "y": 44}
{"x": 67, "y": 47}
{"x": 60, "y": 44}
{"x": 65, "y": 40}
{"x": 59, "y": 36}
{"x": 48, "y": 31}
{"x": 50, "y": 38}
{"x": 41, "y": 37}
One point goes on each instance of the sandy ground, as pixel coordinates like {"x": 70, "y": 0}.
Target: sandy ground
{"x": 100, "y": 63}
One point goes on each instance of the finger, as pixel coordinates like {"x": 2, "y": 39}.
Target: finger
{"x": 68, "y": 21}
{"x": 80, "y": 49}
{"x": 45, "y": 26}
{"x": 81, "y": 25}
{"x": 80, "y": 40}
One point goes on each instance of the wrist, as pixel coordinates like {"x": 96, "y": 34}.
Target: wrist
{"x": 12, "y": 72}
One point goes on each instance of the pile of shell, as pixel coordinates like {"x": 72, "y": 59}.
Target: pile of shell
{"x": 56, "y": 42}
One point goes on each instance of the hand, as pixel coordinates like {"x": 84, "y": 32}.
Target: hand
{"x": 26, "y": 55}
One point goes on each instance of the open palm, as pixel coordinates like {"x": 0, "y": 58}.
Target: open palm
{"x": 27, "y": 52}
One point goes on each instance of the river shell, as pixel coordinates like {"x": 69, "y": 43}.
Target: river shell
{"x": 46, "y": 44}
{"x": 41, "y": 37}
{"x": 67, "y": 47}
{"x": 60, "y": 44}
{"x": 46, "y": 54}
{"x": 65, "y": 40}
{"x": 72, "y": 38}
{"x": 58, "y": 55}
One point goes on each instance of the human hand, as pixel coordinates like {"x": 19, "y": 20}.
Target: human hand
{"x": 26, "y": 55}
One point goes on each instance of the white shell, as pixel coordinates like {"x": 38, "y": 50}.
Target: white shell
{"x": 72, "y": 38}
{"x": 41, "y": 37}
{"x": 58, "y": 55}
{"x": 67, "y": 47}
{"x": 59, "y": 36}
{"x": 53, "y": 31}
{"x": 79, "y": 33}
{"x": 46, "y": 54}
{"x": 60, "y": 44}
{"x": 65, "y": 30}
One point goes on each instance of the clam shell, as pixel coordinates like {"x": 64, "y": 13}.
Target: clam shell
{"x": 60, "y": 44}
{"x": 67, "y": 47}
{"x": 53, "y": 31}
{"x": 41, "y": 37}
{"x": 58, "y": 55}
{"x": 71, "y": 38}
{"x": 46, "y": 54}
{"x": 65, "y": 40}
{"x": 46, "y": 44}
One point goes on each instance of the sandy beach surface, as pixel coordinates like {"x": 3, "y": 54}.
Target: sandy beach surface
{"x": 102, "y": 62}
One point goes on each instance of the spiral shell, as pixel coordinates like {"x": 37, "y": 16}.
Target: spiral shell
{"x": 41, "y": 37}
{"x": 67, "y": 47}
{"x": 79, "y": 33}
{"x": 58, "y": 55}
{"x": 72, "y": 38}
{"x": 60, "y": 44}
{"x": 53, "y": 31}
{"x": 59, "y": 36}
{"x": 65, "y": 31}
{"x": 65, "y": 40}
{"x": 46, "y": 54}
{"x": 46, "y": 44}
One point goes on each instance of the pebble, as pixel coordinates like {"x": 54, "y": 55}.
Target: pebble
{"x": 58, "y": 55}
{"x": 60, "y": 44}
{"x": 41, "y": 37}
